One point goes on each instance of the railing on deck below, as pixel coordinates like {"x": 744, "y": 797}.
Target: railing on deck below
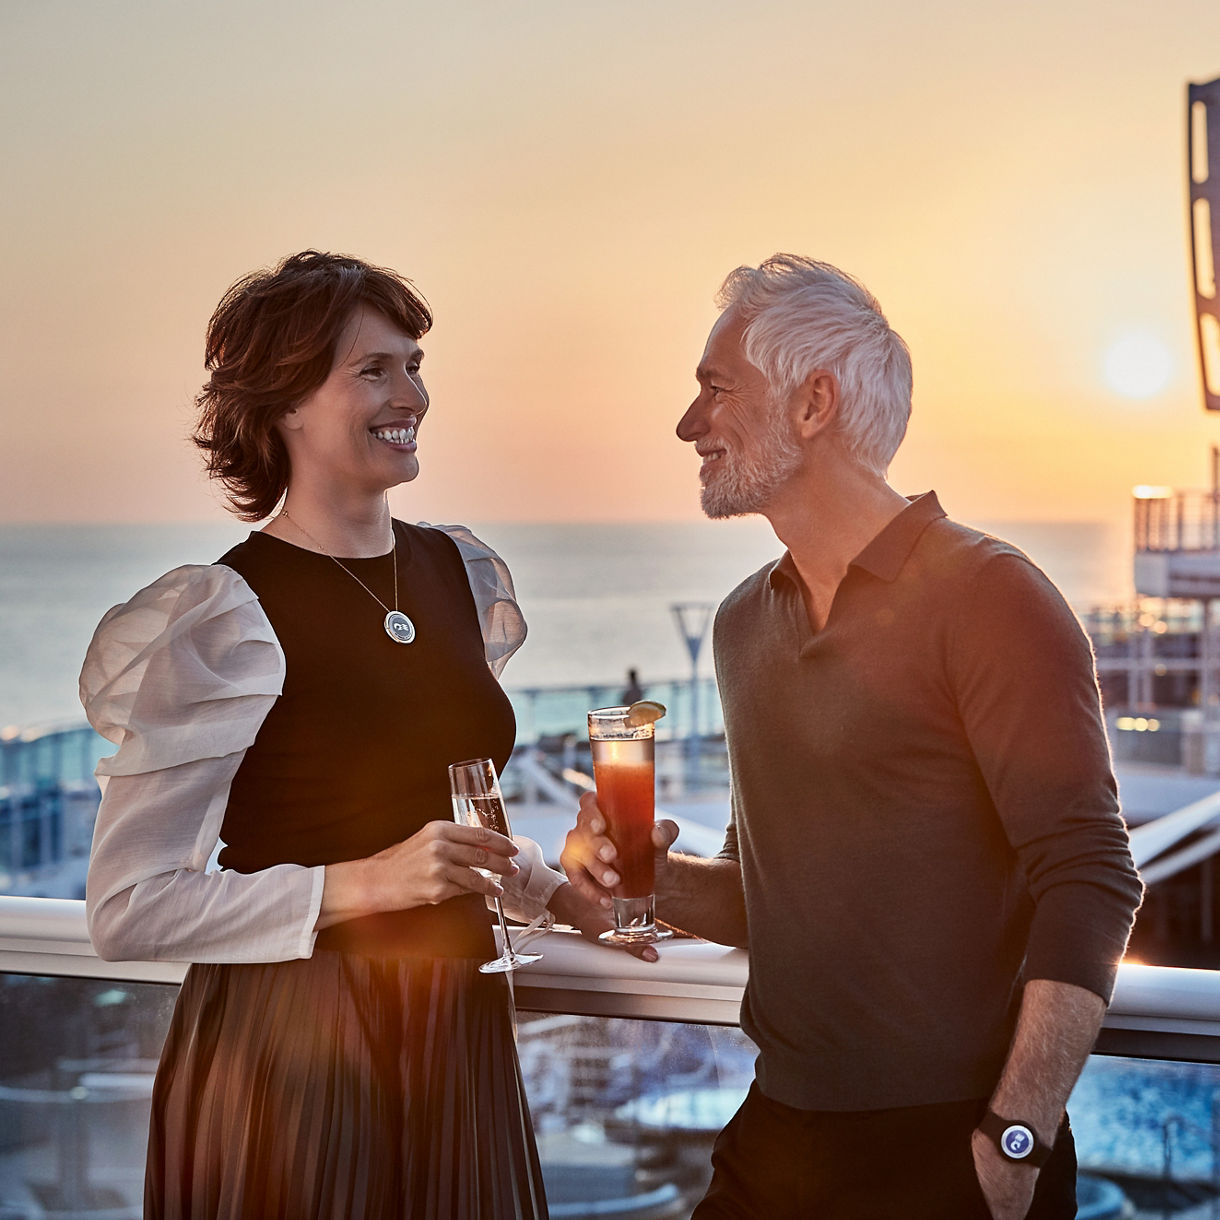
{"x": 1158, "y": 1012}
{"x": 68, "y": 753}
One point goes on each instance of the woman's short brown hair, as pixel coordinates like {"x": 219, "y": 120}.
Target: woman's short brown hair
{"x": 270, "y": 344}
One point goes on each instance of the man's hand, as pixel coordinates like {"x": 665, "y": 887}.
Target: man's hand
{"x": 589, "y": 857}
{"x": 702, "y": 897}
{"x": 590, "y": 920}
{"x": 1007, "y": 1186}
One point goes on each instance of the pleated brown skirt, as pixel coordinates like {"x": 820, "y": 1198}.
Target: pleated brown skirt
{"x": 342, "y": 1087}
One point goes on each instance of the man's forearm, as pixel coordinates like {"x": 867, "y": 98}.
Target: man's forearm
{"x": 1056, "y": 1030}
{"x": 702, "y": 897}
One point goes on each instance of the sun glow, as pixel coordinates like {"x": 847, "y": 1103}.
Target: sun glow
{"x": 1138, "y": 364}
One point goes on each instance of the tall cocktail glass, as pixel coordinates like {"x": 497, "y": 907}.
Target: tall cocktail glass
{"x": 623, "y": 768}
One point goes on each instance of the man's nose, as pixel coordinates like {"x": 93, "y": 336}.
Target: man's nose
{"x": 691, "y": 426}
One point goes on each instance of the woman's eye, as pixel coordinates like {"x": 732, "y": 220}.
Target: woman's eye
{"x": 371, "y": 371}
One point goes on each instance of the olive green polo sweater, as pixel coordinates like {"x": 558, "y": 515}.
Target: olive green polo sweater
{"x": 924, "y": 811}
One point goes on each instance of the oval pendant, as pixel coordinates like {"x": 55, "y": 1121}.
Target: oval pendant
{"x": 399, "y": 628}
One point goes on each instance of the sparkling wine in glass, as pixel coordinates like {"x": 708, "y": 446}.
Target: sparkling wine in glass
{"x": 477, "y": 801}
{"x": 623, "y": 769}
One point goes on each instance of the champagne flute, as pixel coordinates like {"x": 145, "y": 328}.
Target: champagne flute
{"x": 477, "y": 801}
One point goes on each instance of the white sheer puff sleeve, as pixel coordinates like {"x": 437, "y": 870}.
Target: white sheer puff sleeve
{"x": 492, "y": 585}
{"x": 180, "y": 678}
{"x": 525, "y": 895}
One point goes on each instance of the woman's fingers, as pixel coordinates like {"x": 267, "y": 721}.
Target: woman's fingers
{"x": 441, "y": 859}
{"x": 465, "y": 880}
{"x": 473, "y": 847}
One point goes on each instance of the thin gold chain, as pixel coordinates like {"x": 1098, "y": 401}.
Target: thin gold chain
{"x": 394, "y": 552}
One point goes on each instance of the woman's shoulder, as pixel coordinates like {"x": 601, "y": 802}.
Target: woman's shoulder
{"x": 195, "y": 638}
{"x": 487, "y": 573}
{"x": 472, "y": 549}
{"x": 491, "y": 583}
{"x": 191, "y": 594}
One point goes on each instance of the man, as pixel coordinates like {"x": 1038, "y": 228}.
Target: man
{"x": 925, "y": 856}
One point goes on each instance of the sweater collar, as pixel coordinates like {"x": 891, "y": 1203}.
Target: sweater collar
{"x": 885, "y": 555}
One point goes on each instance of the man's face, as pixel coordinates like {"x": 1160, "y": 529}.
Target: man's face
{"x": 744, "y": 438}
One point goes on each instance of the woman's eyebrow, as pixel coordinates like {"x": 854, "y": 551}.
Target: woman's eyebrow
{"x": 363, "y": 357}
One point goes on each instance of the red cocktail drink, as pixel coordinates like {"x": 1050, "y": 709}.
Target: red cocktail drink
{"x": 623, "y": 755}
{"x": 624, "y": 774}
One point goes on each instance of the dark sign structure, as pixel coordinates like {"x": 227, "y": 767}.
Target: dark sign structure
{"x": 1203, "y": 182}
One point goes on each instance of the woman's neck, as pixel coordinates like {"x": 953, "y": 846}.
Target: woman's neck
{"x": 356, "y": 530}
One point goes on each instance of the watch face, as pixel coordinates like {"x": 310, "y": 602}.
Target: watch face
{"x": 1017, "y": 1142}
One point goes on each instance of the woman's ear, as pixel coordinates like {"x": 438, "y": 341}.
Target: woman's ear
{"x": 290, "y": 421}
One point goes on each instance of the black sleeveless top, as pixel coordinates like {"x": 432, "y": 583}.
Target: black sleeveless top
{"x": 354, "y": 755}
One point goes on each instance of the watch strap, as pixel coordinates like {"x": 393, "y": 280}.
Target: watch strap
{"x": 1015, "y": 1139}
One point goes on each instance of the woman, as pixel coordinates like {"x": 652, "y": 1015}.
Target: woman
{"x": 334, "y": 1051}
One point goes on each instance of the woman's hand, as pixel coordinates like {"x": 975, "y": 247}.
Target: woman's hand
{"x": 435, "y": 863}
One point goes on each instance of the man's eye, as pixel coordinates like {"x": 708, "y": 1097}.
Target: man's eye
{"x": 716, "y": 389}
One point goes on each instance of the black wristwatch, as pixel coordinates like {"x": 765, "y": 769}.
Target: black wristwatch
{"x": 1015, "y": 1139}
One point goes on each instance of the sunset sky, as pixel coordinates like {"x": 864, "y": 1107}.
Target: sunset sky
{"x": 568, "y": 182}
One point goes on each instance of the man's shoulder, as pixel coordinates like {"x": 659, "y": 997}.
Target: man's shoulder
{"x": 951, "y": 547}
{"x": 965, "y": 540}
{"x": 983, "y": 579}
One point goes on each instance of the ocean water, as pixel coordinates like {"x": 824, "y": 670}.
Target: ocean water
{"x": 597, "y": 597}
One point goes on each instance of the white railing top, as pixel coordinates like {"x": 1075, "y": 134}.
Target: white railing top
{"x": 1154, "y": 838}
{"x": 693, "y": 981}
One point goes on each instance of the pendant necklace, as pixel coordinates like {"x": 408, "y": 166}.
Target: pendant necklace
{"x": 397, "y": 625}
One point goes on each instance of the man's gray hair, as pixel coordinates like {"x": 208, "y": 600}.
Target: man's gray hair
{"x": 803, "y": 315}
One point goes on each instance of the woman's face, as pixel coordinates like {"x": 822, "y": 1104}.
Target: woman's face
{"x": 357, "y": 432}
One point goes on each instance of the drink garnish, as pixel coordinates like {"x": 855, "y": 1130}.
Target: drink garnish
{"x": 644, "y": 712}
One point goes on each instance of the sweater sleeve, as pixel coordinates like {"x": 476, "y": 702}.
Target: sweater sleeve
{"x": 180, "y": 678}
{"x": 731, "y": 848}
{"x": 1023, "y": 674}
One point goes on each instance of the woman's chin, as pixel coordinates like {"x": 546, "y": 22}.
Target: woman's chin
{"x": 405, "y": 470}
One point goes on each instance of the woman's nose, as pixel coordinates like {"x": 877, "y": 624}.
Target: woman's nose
{"x": 410, "y": 394}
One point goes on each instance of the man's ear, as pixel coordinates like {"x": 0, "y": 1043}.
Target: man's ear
{"x": 817, "y": 403}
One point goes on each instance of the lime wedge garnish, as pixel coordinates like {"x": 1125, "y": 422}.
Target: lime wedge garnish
{"x": 644, "y": 712}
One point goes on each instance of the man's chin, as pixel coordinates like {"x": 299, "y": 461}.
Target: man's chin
{"x": 719, "y": 507}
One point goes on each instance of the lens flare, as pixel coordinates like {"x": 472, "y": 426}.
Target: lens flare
{"x": 1138, "y": 365}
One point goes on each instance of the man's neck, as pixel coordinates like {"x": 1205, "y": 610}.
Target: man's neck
{"x": 825, "y": 520}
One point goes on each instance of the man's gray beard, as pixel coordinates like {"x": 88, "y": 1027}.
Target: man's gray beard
{"x": 747, "y": 484}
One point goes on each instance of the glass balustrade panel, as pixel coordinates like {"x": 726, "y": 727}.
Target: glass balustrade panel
{"x": 625, "y": 1110}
